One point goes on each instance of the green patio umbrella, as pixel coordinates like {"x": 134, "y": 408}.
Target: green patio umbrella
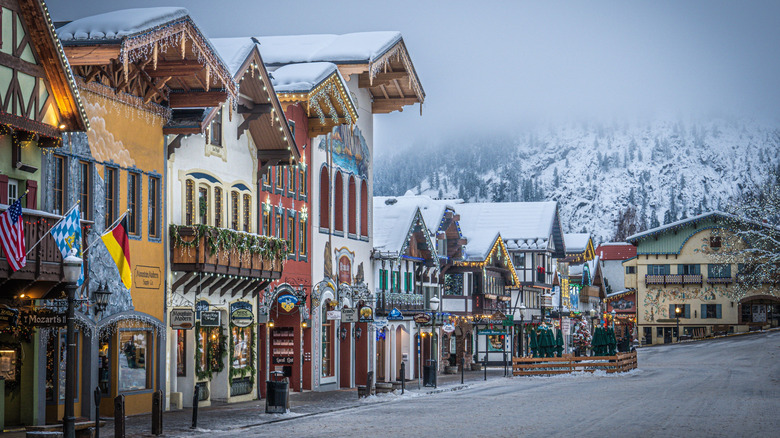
{"x": 598, "y": 341}
{"x": 559, "y": 343}
{"x": 611, "y": 341}
{"x": 550, "y": 341}
{"x": 533, "y": 342}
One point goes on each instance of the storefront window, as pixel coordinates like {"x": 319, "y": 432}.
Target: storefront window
{"x": 8, "y": 358}
{"x": 181, "y": 353}
{"x": 104, "y": 366}
{"x": 242, "y": 339}
{"x": 134, "y": 360}
{"x": 203, "y": 340}
{"x": 327, "y": 343}
{"x": 495, "y": 342}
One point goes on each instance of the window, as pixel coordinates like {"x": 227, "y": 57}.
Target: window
{"x": 58, "y": 186}
{"x": 181, "y": 353}
{"x": 280, "y": 177}
{"x": 327, "y": 342}
{"x": 267, "y": 223}
{"x": 397, "y": 281}
{"x": 519, "y": 260}
{"x": 715, "y": 242}
{"x": 302, "y": 182}
{"x": 302, "y": 237}
{"x": 657, "y": 269}
{"x": 267, "y": 177}
{"x": 291, "y": 232}
{"x": 689, "y": 269}
{"x": 630, "y": 269}
{"x": 685, "y": 310}
{"x": 242, "y": 342}
{"x": 13, "y": 190}
{"x": 278, "y": 224}
{"x": 218, "y": 207}
{"x": 216, "y": 130}
{"x": 711, "y": 311}
{"x": 352, "y": 208}
{"x": 719, "y": 271}
{"x": 291, "y": 172}
{"x": 111, "y": 192}
{"x": 234, "y": 215}
{"x": 383, "y": 279}
{"x": 105, "y": 354}
{"x": 190, "y": 208}
{"x": 247, "y": 213}
{"x": 133, "y": 196}
{"x": 135, "y": 359}
{"x": 364, "y": 209}
{"x": 203, "y": 205}
{"x": 154, "y": 206}
{"x": 441, "y": 247}
{"x": 338, "y": 202}
{"x": 408, "y": 282}
{"x": 324, "y": 199}
{"x": 84, "y": 189}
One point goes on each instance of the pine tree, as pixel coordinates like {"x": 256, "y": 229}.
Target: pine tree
{"x": 654, "y": 223}
{"x": 556, "y": 178}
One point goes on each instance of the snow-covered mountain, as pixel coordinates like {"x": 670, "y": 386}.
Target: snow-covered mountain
{"x": 666, "y": 170}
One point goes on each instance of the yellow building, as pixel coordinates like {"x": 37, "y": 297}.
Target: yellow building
{"x": 679, "y": 279}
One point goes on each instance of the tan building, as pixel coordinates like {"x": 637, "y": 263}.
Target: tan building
{"x": 677, "y": 267}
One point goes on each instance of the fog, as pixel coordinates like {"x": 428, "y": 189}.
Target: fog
{"x": 493, "y": 67}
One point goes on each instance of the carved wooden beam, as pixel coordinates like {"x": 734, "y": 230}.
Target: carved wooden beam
{"x": 92, "y": 55}
{"x": 197, "y": 99}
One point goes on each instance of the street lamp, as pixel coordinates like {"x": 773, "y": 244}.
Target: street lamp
{"x": 522, "y": 328}
{"x": 433, "y": 303}
{"x": 102, "y": 296}
{"x": 71, "y": 267}
{"x": 677, "y": 311}
{"x": 613, "y": 318}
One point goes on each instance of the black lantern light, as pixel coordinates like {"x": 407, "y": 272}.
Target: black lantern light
{"x": 101, "y": 296}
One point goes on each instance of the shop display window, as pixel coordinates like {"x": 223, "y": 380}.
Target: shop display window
{"x": 135, "y": 359}
{"x": 181, "y": 353}
{"x": 327, "y": 343}
{"x": 242, "y": 339}
{"x": 104, "y": 366}
{"x": 8, "y": 358}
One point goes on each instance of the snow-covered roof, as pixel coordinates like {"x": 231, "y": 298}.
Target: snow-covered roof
{"x": 392, "y": 221}
{"x": 233, "y": 51}
{"x": 576, "y": 242}
{"x": 303, "y": 78}
{"x": 636, "y": 237}
{"x": 523, "y": 225}
{"x": 119, "y": 24}
{"x": 360, "y": 47}
{"x": 432, "y": 210}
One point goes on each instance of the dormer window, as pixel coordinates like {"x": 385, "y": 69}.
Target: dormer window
{"x": 215, "y": 130}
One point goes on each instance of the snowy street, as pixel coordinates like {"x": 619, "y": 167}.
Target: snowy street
{"x": 727, "y": 387}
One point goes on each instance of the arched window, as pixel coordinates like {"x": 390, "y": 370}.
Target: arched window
{"x": 338, "y": 203}
{"x": 352, "y": 207}
{"x": 363, "y": 208}
{"x": 324, "y": 198}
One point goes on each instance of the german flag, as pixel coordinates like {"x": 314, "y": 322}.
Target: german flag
{"x": 118, "y": 246}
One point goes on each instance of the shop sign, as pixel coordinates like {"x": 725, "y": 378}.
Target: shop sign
{"x": 210, "y": 318}
{"x": 422, "y": 318}
{"x": 9, "y": 316}
{"x": 201, "y": 306}
{"x": 241, "y": 314}
{"x": 509, "y": 321}
{"x": 147, "y": 277}
{"x": 380, "y": 323}
{"x": 349, "y": 315}
{"x": 448, "y": 328}
{"x": 395, "y": 315}
{"x": 44, "y": 318}
{"x": 366, "y": 314}
{"x": 287, "y": 301}
{"x": 566, "y": 325}
{"x": 182, "y": 319}
{"x": 332, "y": 315}
{"x": 491, "y": 332}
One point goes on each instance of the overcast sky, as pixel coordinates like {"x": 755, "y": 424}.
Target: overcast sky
{"x": 493, "y": 66}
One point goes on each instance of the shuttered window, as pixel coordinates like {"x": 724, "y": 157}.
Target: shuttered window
{"x": 685, "y": 310}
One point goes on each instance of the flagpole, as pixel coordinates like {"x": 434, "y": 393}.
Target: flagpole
{"x": 111, "y": 227}
{"x": 52, "y": 227}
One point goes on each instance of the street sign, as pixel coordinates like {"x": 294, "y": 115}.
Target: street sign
{"x": 395, "y": 315}
{"x": 349, "y": 315}
{"x": 44, "y": 318}
{"x": 210, "y": 318}
{"x": 182, "y": 319}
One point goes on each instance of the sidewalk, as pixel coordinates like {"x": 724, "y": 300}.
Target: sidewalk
{"x": 224, "y": 416}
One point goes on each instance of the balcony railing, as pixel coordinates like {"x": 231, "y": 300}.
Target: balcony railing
{"x": 386, "y": 301}
{"x": 673, "y": 279}
{"x": 44, "y": 263}
{"x": 720, "y": 280}
{"x": 209, "y": 249}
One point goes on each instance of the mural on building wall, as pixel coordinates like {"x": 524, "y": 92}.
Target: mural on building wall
{"x": 350, "y": 151}
{"x": 654, "y": 298}
{"x": 104, "y": 146}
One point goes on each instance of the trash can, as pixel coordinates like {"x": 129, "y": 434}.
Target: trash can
{"x": 429, "y": 373}
{"x": 277, "y": 394}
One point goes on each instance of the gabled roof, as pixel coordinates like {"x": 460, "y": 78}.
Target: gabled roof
{"x": 379, "y": 58}
{"x": 431, "y": 209}
{"x": 393, "y": 226}
{"x": 679, "y": 224}
{"x": 616, "y": 251}
{"x": 523, "y": 225}
{"x": 576, "y": 242}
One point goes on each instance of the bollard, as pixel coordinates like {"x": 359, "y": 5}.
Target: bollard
{"x": 195, "y": 400}
{"x": 97, "y": 396}
{"x": 403, "y": 377}
{"x": 157, "y": 412}
{"x": 462, "y": 368}
{"x": 484, "y": 366}
{"x": 119, "y": 416}
{"x": 505, "y": 364}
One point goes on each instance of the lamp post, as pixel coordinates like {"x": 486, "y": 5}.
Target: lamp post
{"x": 613, "y": 318}
{"x": 71, "y": 267}
{"x": 522, "y": 328}
{"x": 433, "y": 303}
{"x": 677, "y": 311}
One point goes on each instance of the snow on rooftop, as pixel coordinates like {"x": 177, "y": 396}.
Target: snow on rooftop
{"x": 576, "y": 242}
{"x": 392, "y": 221}
{"x": 233, "y": 51}
{"x": 432, "y": 210}
{"x": 676, "y": 224}
{"x": 302, "y": 78}
{"x": 119, "y": 24}
{"x": 362, "y": 47}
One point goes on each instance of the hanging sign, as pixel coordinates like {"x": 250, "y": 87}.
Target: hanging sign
{"x": 200, "y": 306}
{"x": 491, "y": 332}
{"x": 210, "y": 318}
{"x": 349, "y": 315}
{"x": 182, "y": 319}
{"x": 287, "y": 301}
{"x": 9, "y": 316}
{"x": 422, "y": 318}
{"x": 395, "y": 315}
{"x": 509, "y": 321}
{"x": 366, "y": 314}
{"x": 241, "y": 314}
{"x": 333, "y": 315}
{"x": 448, "y": 328}
{"x": 380, "y": 323}
{"x": 44, "y": 318}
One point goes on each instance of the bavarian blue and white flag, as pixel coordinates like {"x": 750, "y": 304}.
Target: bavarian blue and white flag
{"x": 67, "y": 235}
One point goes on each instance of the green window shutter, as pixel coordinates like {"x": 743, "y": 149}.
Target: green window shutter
{"x": 667, "y": 269}
{"x": 687, "y": 311}
{"x": 718, "y": 310}
{"x": 727, "y": 270}
{"x": 671, "y": 311}
{"x": 703, "y": 311}
{"x": 681, "y": 269}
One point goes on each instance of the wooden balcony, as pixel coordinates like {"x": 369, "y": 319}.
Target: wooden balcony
{"x": 404, "y": 302}
{"x": 44, "y": 263}
{"x": 720, "y": 280}
{"x": 673, "y": 279}
{"x": 222, "y": 251}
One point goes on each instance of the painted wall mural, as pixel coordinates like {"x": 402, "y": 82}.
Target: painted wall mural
{"x": 104, "y": 146}
{"x": 656, "y": 300}
{"x": 350, "y": 151}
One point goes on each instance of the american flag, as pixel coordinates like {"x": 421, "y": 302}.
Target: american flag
{"x": 12, "y": 236}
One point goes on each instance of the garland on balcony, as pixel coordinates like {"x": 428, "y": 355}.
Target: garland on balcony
{"x": 215, "y": 352}
{"x": 250, "y": 366}
{"x": 223, "y": 239}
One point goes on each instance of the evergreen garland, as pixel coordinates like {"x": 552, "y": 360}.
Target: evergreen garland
{"x": 224, "y": 239}
{"x": 215, "y": 352}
